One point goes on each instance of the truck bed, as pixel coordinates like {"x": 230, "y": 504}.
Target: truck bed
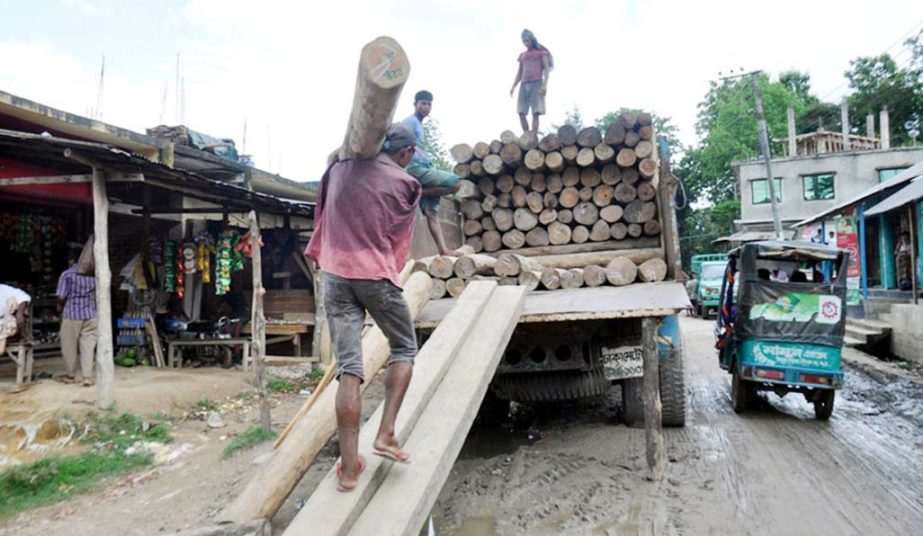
{"x": 631, "y": 301}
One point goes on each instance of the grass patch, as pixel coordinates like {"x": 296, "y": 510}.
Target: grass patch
{"x": 247, "y": 439}
{"x": 205, "y": 405}
{"x": 317, "y": 374}
{"x": 281, "y": 385}
{"x": 59, "y": 477}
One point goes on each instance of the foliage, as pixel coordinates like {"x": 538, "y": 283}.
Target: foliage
{"x": 123, "y": 431}
{"x": 247, "y": 439}
{"x": 281, "y": 385}
{"x": 316, "y": 374}
{"x": 434, "y": 147}
{"x": 699, "y": 227}
{"x": 572, "y": 117}
{"x": 205, "y": 404}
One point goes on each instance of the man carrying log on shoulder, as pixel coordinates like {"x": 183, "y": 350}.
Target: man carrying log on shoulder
{"x": 436, "y": 183}
{"x": 363, "y": 227}
{"x": 535, "y": 66}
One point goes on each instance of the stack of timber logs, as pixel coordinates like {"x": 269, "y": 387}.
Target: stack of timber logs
{"x": 568, "y": 188}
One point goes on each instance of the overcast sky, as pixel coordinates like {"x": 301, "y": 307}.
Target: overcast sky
{"x": 288, "y": 68}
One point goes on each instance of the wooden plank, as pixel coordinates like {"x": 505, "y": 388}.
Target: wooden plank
{"x": 406, "y": 497}
{"x": 650, "y": 394}
{"x": 271, "y": 485}
{"x": 566, "y": 249}
{"x": 258, "y": 324}
{"x": 329, "y": 511}
{"x": 56, "y": 179}
{"x": 105, "y": 367}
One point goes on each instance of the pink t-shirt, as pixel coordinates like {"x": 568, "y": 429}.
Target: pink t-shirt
{"x": 363, "y": 228}
{"x": 532, "y": 66}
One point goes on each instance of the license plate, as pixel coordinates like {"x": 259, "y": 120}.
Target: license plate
{"x": 623, "y": 362}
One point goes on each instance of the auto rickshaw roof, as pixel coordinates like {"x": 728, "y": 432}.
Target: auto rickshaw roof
{"x": 801, "y": 250}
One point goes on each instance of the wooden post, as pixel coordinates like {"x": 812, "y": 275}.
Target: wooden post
{"x": 104, "y": 359}
{"x": 653, "y": 431}
{"x": 258, "y": 323}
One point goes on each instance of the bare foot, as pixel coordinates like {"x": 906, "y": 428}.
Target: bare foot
{"x": 391, "y": 450}
{"x": 346, "y": 483}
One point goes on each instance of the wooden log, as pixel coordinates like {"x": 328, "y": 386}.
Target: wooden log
{"x": 486, "y": 185}
{"x": 442, "y": 266}
{"x": 646, "y": 191}
{"x": 652, "y": 227}
{"x": 477, "y": 168}
{"x": 472, "y": 227}
{"x": 508, "y": 136}
{"x": 590, "y": 177}
{"x": 602, "y": 195}
{"x": 554, "y": 161}
{"x": 105, "y": 370}
{"x": 589, "y": 137}
{"x": 635, "y": 230}
{"x": 439, "y": 290}
{"x": 551, "y": 278}
{"x": 503, "y": 218}
{"x": 615, "y": 134}
{"x": 567, "y": 135}
{"x": 652, "y": 270}
{"x": 535, "y": 159}
{"x": 476, "y": 243}
{"x": 586, "y": 213}
{"x": 653, "y": 408}
{"x": 472, "y": 210}
{"x": 580, "y": 234}
{"x": 504, "y": 200}
{"x": 511, "y": 154}
{"x": 644, "y": 149}
{"x": 570, "y": 177}
{"x": 514, "y": 239}
{"x": 572, "y": 278}
{"x": 488, "y": 224}
{"x": 505, "y": 183}
{"x": 626, "y": 158}
{"x": 618, "y": 230}
{"x": 599, "y": 258}
{"x": 569, "y": 154}
{"x": 511, "y": 265}
{"x": 549, "y": 143}
{"x": 462, "y": 170}
{"x": 528, "y": 141}
{"x": 621, "y": 271}
{"x": 492, "y": 241}
{"x": 525, "y": 219}
{"x": 640, "y": 211}
{"x": 258, "y": 324}
{"x": 535, "y": 202}
{"x": 611, "y": 174}
{"x": 629, "y": 119}
{"x": 455, "y": 286}
{"x": 493, "y": 164}
{"x": 558, "y": 233}
{"x": 462, "y": 153}
{"x": 489, "y": 203}
{"x": 585, "y": 194}
{"x": 508, "y": 281}
{"x": 496, "y": 146}
{"x": 549, "y": 200}
{"x": 632, "y": 138}
{"x": 422, "y": 265}
{"x": 647, "y": 168}
{"x": 548, "y": 215}
{"x": 523, "y": 177}
{"x": 565, "y": 215}
{"x": 586, "y": 157}
{"x": 538, "y": 182}
{"x": 594, "y": 276}
{"x": 611, "y": 213}
{"x": 481, "y": 150}
{"x": 600, "y": 231}
{"x": 383, "y": 69}
{"x": 569, "y": 197}
{"x": 604, "y": 153}
{"x": 519, "y": 196}
{"x": 645, "y": 118}
{"x": 646, "y": 242}
{"x": 630, "y": 175}
{"x": 467, "y": 190}
{"x": 266, "y": 492}
{"x": 625, "y": 193}
{"x": 530, "y": 279}
{"x": 537, "y": 237}
{"x": 646, "y": 132}
{"x": 554, "y": 183}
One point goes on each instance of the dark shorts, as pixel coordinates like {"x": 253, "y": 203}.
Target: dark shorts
{"x": 530, "y": 96}
{"x": 431, "y": 177}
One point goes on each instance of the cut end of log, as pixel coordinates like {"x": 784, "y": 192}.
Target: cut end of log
{"x": 385, "y": 63}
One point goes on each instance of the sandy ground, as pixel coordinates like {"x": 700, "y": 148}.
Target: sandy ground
{"x": 575, "y": 470}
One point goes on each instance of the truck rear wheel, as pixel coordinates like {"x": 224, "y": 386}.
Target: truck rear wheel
{"x": 823, "y": 405}
{"x": 741, "y": 392}
{"x": 552, "y": 386}
{"x": 672, "y": 393}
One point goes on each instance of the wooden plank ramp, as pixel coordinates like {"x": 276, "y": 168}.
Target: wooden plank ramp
{"x": 437, "y": 413}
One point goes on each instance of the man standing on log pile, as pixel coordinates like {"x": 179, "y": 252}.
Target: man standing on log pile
{"x": 436, "y": 183}
{"x": 363, "y": 227}
{"x": 535, "y": 66}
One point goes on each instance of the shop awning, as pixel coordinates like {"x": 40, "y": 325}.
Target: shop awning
{"x": 749, "y": 236}
{"x": 908, "y": 194}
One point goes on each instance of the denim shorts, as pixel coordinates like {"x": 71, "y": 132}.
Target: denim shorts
{"x": 530, "y": 96}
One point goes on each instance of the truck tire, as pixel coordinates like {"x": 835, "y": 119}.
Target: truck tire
{"x": 673, "y": 388}
{"x": 741, "y": 391}
{"x": 823, "y": 405}
{"x": 552, "y": 386}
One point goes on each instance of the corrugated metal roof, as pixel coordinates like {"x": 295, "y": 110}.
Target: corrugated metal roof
{"x": 907, "y": 194}
{"x": 903, "y": 177}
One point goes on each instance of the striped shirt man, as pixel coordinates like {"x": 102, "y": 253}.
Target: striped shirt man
{"x": 79, "y": 295}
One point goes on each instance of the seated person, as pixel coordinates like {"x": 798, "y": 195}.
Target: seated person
{"x": 763, "y": 274}
{"x": 799, "y": 277}
{"x": 13, "y": 303}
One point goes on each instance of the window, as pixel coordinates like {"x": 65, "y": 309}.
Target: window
{"x": 818, "y": 187}
{"x": 759, "y": 190}
{"x": 887, "y": 174}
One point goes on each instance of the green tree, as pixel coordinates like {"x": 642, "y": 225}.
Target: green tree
{"x": 434, "y": 147}
{"x": 572, "y": 117}
{"x": 878, "y": 82}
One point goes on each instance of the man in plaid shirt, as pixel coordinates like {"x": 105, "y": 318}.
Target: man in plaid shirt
{"x": 77, "y": 302}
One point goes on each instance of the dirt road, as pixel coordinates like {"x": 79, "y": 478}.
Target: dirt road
{"x": 774, "y": 470}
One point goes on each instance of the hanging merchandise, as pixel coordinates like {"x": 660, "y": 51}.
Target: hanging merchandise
{"x": 246, "y": 245}
{"x": 155, "y": 250}
{"x": 180, "y": 271}
{"x": 205, "y": 247}
{"x": 169, "y": 278}
{"x": 227, "y": 259}
{"x": 189, "y": 257}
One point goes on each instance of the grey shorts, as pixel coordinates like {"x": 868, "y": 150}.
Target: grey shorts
{"x": 347, "y": 301}
{"x": 530, "y": 96}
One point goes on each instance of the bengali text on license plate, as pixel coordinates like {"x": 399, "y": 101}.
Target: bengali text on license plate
{"x": 623, "y": 362}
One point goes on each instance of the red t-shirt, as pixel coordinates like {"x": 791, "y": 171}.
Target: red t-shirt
{"x": 532, "y": 65}
{"x": 363, "y": 228}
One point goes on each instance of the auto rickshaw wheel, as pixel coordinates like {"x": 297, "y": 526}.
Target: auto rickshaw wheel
{"x": 741, "y": 392}
{"x": 823, "y": 404}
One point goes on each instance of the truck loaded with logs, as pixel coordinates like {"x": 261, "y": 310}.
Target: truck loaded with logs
{"x": 585, "y": 221}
